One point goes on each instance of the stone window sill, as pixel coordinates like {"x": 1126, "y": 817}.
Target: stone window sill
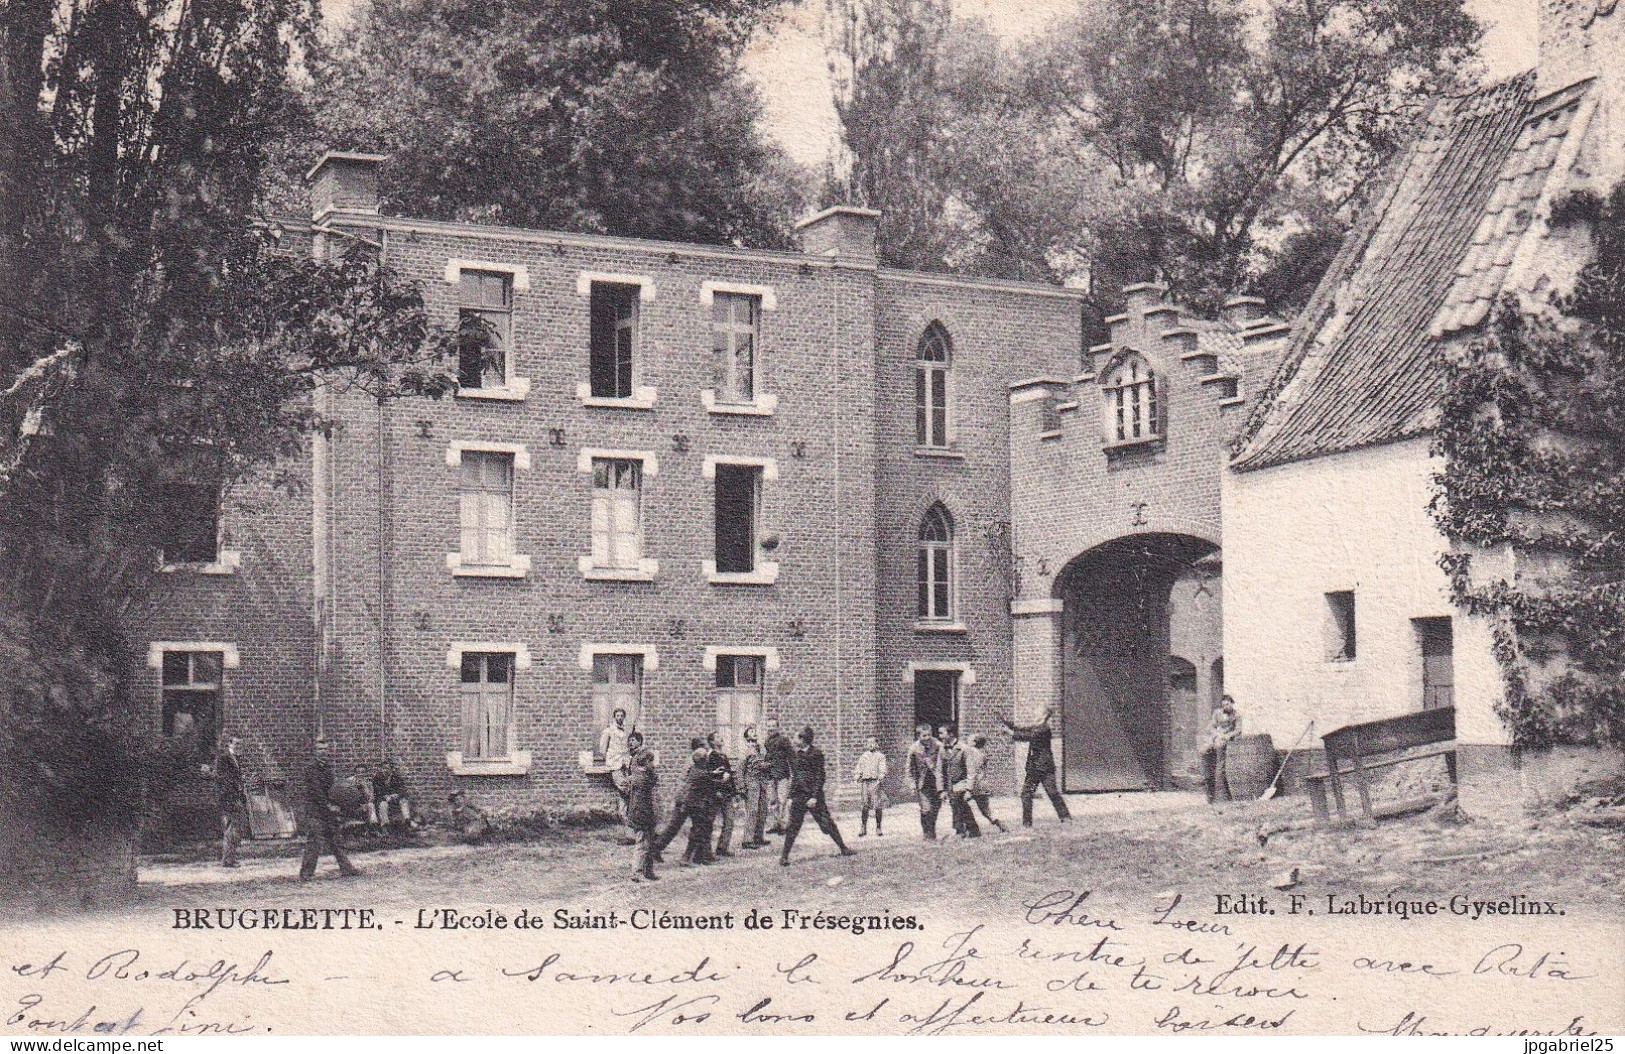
{"x": 592, "y": 764}
{"x": 517, "y": 567}
{"x": 1131, "y": 444}
{"x": 946, "y": 453}
{"x": 515, "y": 764}
{"x": 226, "y": 562}
{"x": 513, "y": 392}
{"x": 642, "y": 398}
{"x": 940, "y": 627}
{"x": 766, "y": 573}
{"x": 763, "y": 405}
{"x": 1056, "y": 434}
{"x": 646, "y": 571}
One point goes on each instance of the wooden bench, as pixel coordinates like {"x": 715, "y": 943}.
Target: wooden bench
{"x": 1356, "y": 750}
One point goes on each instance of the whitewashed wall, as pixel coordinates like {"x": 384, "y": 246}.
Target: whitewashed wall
{"x": 1356, "y": 521}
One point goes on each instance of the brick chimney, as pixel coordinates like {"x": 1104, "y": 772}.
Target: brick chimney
{"x": 346, "y": 183}
{"x": 845, "y": 232}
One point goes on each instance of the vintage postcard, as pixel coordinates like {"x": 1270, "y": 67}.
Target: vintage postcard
{"x": 812, "y": 517}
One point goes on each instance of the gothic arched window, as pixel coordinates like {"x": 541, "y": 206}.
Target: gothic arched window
{"x": 1132, "y": 413}
{"x": 933, "y": 360}
{"x": 936, "y": 567}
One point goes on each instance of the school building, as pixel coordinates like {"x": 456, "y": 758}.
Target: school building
{"x": 703, "y": 484}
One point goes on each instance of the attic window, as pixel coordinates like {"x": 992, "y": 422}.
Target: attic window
{"x": 1131, "y": 409}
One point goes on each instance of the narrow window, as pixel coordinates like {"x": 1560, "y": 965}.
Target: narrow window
{"x": 191, "y": 698}
{"x": 617, "y": 518}
{"x": 935, "y": 357}
{"x": 617, "y": 684}
{"x": 487, "y": 682}
{"x": 614, "y": 324}
{"x": 1340, "y": 642}
{"x": 936, "y": 567}
{"x": 487, "y": 508}
{"x": 485, "y": 321}
{"x": 1131, "y": 402}
{"x": 735, "y": 325}
{"x": 739, "y": 699}
{"x": 1436, "y": 638}
{"x": 190, "y": 526}
{"x": 739, "y": 490}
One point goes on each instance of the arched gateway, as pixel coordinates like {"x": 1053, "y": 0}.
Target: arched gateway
{"x": 1139, "y": 630}
{"x": 1115, "y": 477}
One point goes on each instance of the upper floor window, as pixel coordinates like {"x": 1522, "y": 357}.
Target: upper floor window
{"x": 191, "y": 697}
{"x": 936, "y": 567}
{"x": 617, "y": 516}
{"x": 485, "y": 320}
{"x": 935, "y": 358}
{"x": 487, "y": 697}
{"x": 614, "y": 337}
{"x": 1131, "y": 402}
{"x": 486, "y": 504}
{"x": 190, "y": 529}
{"x": 738, "y": 509}
{"x": 735, "y": 335}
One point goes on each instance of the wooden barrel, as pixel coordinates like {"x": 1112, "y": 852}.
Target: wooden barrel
{"x": 1249, "y": 765}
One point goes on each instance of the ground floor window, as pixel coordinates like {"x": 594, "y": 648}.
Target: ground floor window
{"x": 191, "y": 698}
{"x": 936, "y": 697}
{"x": 487, "y": 691}
{"x": 617, "y": 684}
{"x": 739, "y": 699}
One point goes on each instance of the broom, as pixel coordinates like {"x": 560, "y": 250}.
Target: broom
{"x": 1269, "y": 792}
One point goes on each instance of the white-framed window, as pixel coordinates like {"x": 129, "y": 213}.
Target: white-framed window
{"x": 617, "y": 684}
{"x": 739, "y": 542}
{"x": 1131, "y": 406}
{"x": 933, "y": 361}
{"x": 191, "y": 682}
{"x": 485, "y": 328}
{"x": 936, "y": 578}
{"x": 613, "y": 339}
{"x": 735, "y": 346}
{"x": 485, "y": 501}
{"x": 739, "y": 698}
{"x": 738, "y": 518}
{"x": 486, "y": 679}
{"x": 617, "y": 513}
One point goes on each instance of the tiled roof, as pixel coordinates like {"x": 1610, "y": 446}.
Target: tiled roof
{"x": 1362, "y": 367}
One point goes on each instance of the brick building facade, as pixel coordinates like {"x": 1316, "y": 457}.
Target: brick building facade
{"x": 1115, "y": 479}
{"x": 706, "y": 484}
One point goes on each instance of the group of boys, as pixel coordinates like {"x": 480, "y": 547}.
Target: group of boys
{"x": 944, "y": 767}
{"x": 777, "y": 780}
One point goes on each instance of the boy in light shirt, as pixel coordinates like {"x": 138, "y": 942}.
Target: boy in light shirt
{"x": 869, "y": 774}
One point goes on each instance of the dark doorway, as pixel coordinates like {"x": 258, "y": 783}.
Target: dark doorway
{"x": 1436, "y": 638}
{"x": 1118, "y": 721}
{"x": 936, "y": 697}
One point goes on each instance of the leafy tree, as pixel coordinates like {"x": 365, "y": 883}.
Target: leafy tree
{"x": 159, "y": 334}
{"x": 1532, "y": 432}
{"x": 1212, "y": 141}
{"x": 625, "y": 117}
